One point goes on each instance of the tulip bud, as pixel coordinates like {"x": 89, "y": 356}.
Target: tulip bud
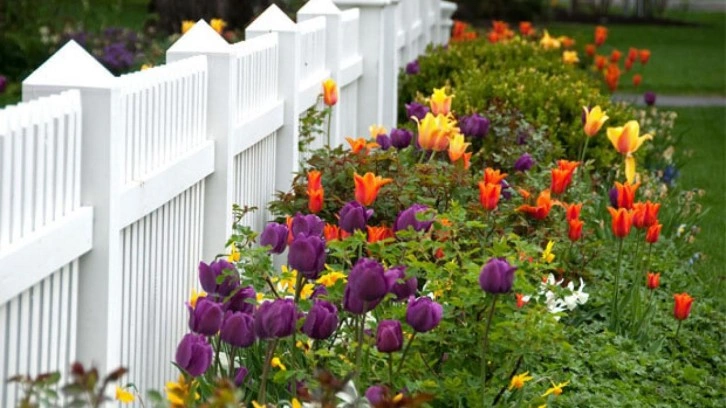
{"x": 404, "y": 289}
{"x": 330, "y": 92}
{"x": 653, "y": 233}
{"x": 275, "y": 319}
{"x": 415, "y": 109}
{"x": 649, "y": 98}
{"x": 407, "y": 218}
{"x": 389, "y": 337}
{"x": 524, "y": 162}
{"x": 206, "y": 317}
{"x": 413, "y": 68}
{"x": 353, "y": 216}
{"x": 682, "y": 307}
{"x": 369, "y": 282}
{"x": 653, "y": 280}
{"x": 497, "y": 276}
{"x": 575, "y": 231}
{"x": 474, "y": 125}
{"x": 307, "y": 255}
{"x": 383, "y": 141}
{"x": 274, "y": 235}
{"x": 307, "y": 225}
{"x": 355, "y": 305}
{"x": 321, "y": 321}
{"x": 319, "y": 291}
{"x": 400, "y": 138}
{"x": 194, "y": 354}
{"x": 208, "y": 275}
{"x": 240, "y": 301}
{"x": 239, "y": 377}
{"x": 376, "y": 394}
{"x": 423, "y": 314}
{"x": 238, "y": 329}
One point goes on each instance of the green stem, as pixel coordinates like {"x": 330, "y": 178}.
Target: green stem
{"x": 330, "y": 119}
{"x": 232, "y": 353}
{"x": 484, "y": 351}
{"x": 614, "y": 310}
{"x": 216, "y": 356}
{"x": 679, "y": 327}
{"x": 584, "y": 149}
{"x": 359, "y": 350}
{"x": 261, "y": 394}
{"x": 405, "y": 351}
{"x": 390, "y": 369}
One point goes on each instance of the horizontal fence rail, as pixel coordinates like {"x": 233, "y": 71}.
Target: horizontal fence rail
{"x": 112, "y": 189}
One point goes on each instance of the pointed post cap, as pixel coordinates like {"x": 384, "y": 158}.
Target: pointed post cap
{"x": 362, "y": 3}
{"x": 318, "y": 8}
{"x": 200, "y": 39}
{"x": 271, "y": 20}
{"x": 71, "y": 66}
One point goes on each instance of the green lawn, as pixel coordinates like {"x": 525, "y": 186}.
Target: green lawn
{"x": 704, "y": 132}
{"x": 685, "y": 59}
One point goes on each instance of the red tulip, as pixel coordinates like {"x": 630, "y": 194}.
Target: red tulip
{"x": 682, "y": 307}
{"x": 653, "y": 280}
{"x": 622, "y": 221}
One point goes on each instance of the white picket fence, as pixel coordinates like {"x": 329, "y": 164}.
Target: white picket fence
{"x": 112, "y": 189}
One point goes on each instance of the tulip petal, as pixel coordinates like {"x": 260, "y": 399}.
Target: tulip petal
{"x": 630, "y": 168}
{"x": 614, "y": 136}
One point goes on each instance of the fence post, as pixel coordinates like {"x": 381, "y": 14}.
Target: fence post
{"x": 218, "y": 190}
{"x": 447, "y": 11}
{"x": 287, "y": 152}
{"x": 333, "y": 51}
{"x": 377, "y": 95}
{"x": 102, "y": 154}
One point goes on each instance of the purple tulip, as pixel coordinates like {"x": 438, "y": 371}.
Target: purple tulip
{"x": 307, "y": 255}
{"x": 497, "y": 276}
{"x": 319, "y": 291}
{"x": 376, "y": 394}
{"x": 240, "y": 300}
{"x": 417, "y": 110}
{"x": 206, "y": 317}
{"x": 239, "y": 378}
{"x": 474, "y": 125}
{"x": 613, "y": 195}
{"x": 413, "y": 68}
{"x": 404, "y": 289}
{"x": 3, "y": 83}
{"x": 238, "y": 329}
{"x": 194, "y": 354}
{"x": 307, "y": 225}
{"x": 524, "y": 163}
{"x": 369, "y": 282}
{"x": 389, "y": 337}
{"x": 383, "y": 141}
{"x": 321, "y": 321}
{"x": 274, "y": 235}
{"x": 649, "y": 98}
{"x": 355, "y": 305}
{"x": 407, "y": 218}
{"x": 401, "y": 138}
{"x": 423, "y": 314}
{"x": 275, "y": 319}
{"x": 208, "y": 275}
{"x": 506, "y": 190}
{"x": 353, "y": 216}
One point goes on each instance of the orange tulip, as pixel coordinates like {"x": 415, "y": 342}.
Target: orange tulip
{"x": 500, "y": 27}
{"x": 601, "y": 34}
{"x": 457, "y": 147}
{"x": 359, "y": 144}
{"x": 626, "y": 194}
{"x": 567, "y": 42}
{"x": 622, "y": 221}
{"x": 314, "y": 180}
{"x": 467, "y": 160}
{"x": 590, "y": 50}
{"x": 638, "y": 215}
{"x": 489, "y": 195}
{"x": 600, "y": 62}
{"x": 434, "y": 131}
{"x": 520, "y": 300}
{"x": 524, "y": 193}
{"x": 562, "y": 176}
{"x": 376, "y": 234}
{"x": 644, "y": 56}
{"x": 572, "y": 211}
{"x": 492, "y": 176}
{"x": 651, "y": 213}
{"x": 628, "y": 64}
{"x": 526, "y": 28}
{"x": 330, "y": 92}
{"x": 493, "y": 37}
{"x": 653, "y": 280}
{"x": 575, "y": 231}
{"x": 331, "y": 232}
{"x": 637, "y": 79}
{"x": 315, "y": 200}
{"x": 653, "y": 233}
{"x": 682, "y": 307}
{"x": 612, "y": 77}
{"x": 632, "y": 53}
{"x": 542, "y": 209}
{"x": 367, "y": 187}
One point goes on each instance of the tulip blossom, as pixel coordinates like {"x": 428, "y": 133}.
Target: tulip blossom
{"x": 218, "y": 25}
{"x": 124, "y": 396}
{"x": 413, "y": 68}
{"x": 275, "y": 319}
{"x": 542, "y": 209}
{"x": 526, "y": 28}
{"x": 275, "y": 236}
{"x": 355, "y": 305}
{"x": 389, "y": 336}
{"x": 628, "y": 65}
{"x": 575, "y": 230}
{"x": 239, "y": 377}
{"x": 682, "y": 307}
{"x": 400, "y": 138}
{"x": 594, "y": 119}
{"x": 474, "y": 125}
{"x": 615, "y": 56}
{"x": 562, "y": 176}
{"x": 489, "y": 195}
{"x": 612, "y": 77}
{"x": 644, "y": 56}
{"x": 547, "y": 42}
{"x": 492, "y": 176}
{"x": 600, "y": 62}
{"x": 376, "y": 234}
{"x": 632, "y": 53}
{"x": 626, "y": 194}
{"x": 493, "y": 37}
{"x": 194, "y": 354}
{"x": 368, "y": 280}
{"x": 209, "y": 275}
{"x": 653, "y": 280}
{"x": 570, "y": 57}
{"x": 524, "y": 162}
{"x": 368, "y": 186}
{"x": 639, "y": 215}
{"x": 434, "y": 131}
{"x": 440, "y": 102}
{"x": 572, "y": 211}
{"x": 567, "y": 42}
{"x": 547, "y": 254}
{"x": 590, "y": 50}
{"x": 330, "y": 92}
{"x": 360, "y": 144}
{"x": 315, "y": 200}
{"x": 651, "y": 213}
{"x": 353, "y": 216}
{"x": 621, "y": 221}
{"x": 307, "y": 225}
{"x": 404, "y": 286}
{"x": 409, "y": 218}
{"x": 186, "y": 25}
{"x": 376, "y": 394}
{"x": 423, "y": 314}
{"x": 331, "y": 232}
{"x": 307, "y": 255}
{"x": 637, "y": 79}
{"x": 653, "y": 233}
{"x": 521, "y": 300}
{"x": 314, "y": 180}
{"x": 497, "y": 276}
{"x": 239, "y": 302}
{"x": 416, "y": 110}
{"x": 321, "y": 320}
{"x": 383, "y": 141}
{"x": 601, "y": 34}
{"x": 627, "y": 140}
{"x": 457, "y": 147}
{"x": 238, "y": 329}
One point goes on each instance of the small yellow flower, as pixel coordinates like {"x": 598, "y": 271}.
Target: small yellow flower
{"x": 295, "y": 403}
{"x": 146, "y": 66}
{"x": 218, "y": 24}
{"x": 260, "y": 297}
{"x": 547, "y": 254}
{"x": 548, "y": 42}
{"x": 276, "y": 363}
{"x": 186, "y": 25}
{"x": 329, "y": 279}
{"x": 178, "y": 392}
{"x": 307, "y": 290}
{"x": 234, "y": 255}
{"x": 124, "y": 396}
{"x": 398, "y": 398}
{"x": 256, "y": 404}
{"x": 570, "y": 57}
{"x": 519, "y": 380}
{"x": 556, "y": 389}
{"x": 195, "y": 296}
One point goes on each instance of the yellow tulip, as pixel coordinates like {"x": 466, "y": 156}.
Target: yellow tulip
{"x": 548, "y": 42}
{"x": 627, "y": 140}
{"x": 218, "y": 24}
{"x": 594, "y": 119}
{"x": 330, "y": 92}
{"x": 376, "y": 130}
{"x": 570, "y": 57}
{"x": 186, "y": 25}
{"x": 440, "y": 102}
{"x": 433, "y": 132}
{"x": 457, "y": 147}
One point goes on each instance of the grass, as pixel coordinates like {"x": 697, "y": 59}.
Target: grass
{"x": 704, "y": 132}
{"x": 685, "y": 59}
